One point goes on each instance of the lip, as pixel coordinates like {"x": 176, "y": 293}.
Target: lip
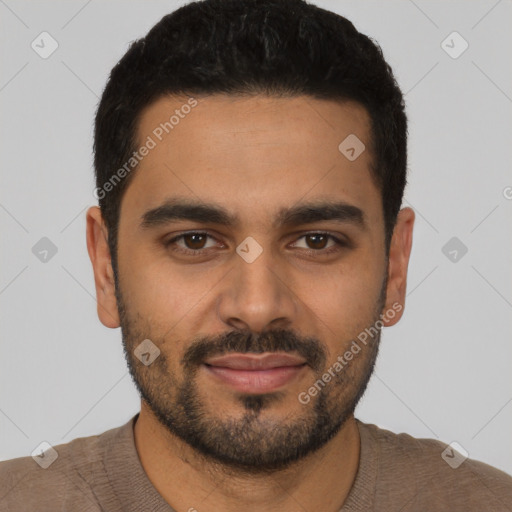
{"x": 255, "y": 373}
{"x": 265, "y": 361}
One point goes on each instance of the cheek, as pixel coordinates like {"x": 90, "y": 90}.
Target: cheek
{"x": 163, "y": 293}
{"x": 345, "y": 298}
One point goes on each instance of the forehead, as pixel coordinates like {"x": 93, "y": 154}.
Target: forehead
{"x": 252, "y": 155}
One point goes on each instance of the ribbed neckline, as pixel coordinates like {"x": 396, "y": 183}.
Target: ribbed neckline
{"x": 135, "y": 492}
{"x": 131, "y": 485}
{"x": 362, "y": 493}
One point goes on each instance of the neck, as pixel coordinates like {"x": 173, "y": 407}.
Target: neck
{"x": 187, "y": 481}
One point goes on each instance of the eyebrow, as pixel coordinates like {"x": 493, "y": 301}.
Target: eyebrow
{"x": 207, "y": 213}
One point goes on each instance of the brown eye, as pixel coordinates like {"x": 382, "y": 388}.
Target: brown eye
{"x": 317, "y": 241}
{"x": 319, "y": 244}
{"x": 193, "y": 243}
{"x": 195, "y": 240}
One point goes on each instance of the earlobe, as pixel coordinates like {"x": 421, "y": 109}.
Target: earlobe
{"x": 99, "y": 254}
{"x": 399, "y": 253}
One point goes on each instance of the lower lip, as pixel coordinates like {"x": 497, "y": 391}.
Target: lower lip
{"x": 256, "y": 381}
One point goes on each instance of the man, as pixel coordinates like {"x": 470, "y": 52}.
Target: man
{"x": 250, "y": 162}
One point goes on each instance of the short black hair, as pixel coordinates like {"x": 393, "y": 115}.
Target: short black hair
{"x": 282, "y": 48}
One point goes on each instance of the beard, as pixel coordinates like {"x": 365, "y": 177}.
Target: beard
{"x": 254, "y": 441}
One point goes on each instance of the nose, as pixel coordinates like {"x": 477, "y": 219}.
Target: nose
{"x": 258, "y": 296}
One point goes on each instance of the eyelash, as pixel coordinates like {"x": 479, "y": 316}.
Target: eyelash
{"x": 199, "y": 252}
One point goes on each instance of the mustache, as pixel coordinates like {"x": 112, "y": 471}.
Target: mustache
{"x": 278, "y": 340}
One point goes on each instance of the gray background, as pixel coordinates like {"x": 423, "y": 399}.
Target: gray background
{"x": 443, "y": 371}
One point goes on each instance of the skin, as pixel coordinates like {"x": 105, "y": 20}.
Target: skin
{"x": 252, "y": 156}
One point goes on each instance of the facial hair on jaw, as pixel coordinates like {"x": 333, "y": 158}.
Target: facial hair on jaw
{"x": 248, "y": 444}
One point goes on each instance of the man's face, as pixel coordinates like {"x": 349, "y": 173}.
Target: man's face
{"x": 265, "y": 285}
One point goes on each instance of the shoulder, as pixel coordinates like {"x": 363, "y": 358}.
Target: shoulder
{"x": 59, "y": 477}
{"x": 437, "y": 473}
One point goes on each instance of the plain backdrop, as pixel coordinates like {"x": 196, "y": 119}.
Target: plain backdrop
{"x": 443, "y": 372}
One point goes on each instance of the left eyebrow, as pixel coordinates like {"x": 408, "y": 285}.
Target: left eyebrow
{"x": 306, "y": 213}
{"x": 310, "y": 213}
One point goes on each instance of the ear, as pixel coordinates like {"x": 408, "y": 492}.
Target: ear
{"x": 399, "y": 252}
{"x": 99, "y": 253}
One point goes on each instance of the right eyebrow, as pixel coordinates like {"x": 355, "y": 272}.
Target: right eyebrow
{"x": 172, "y": 210}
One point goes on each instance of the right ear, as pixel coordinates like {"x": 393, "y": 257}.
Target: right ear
{"x": 99, "y": 253}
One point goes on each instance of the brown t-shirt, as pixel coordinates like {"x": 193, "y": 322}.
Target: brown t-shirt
{"x": 396, "y": 473}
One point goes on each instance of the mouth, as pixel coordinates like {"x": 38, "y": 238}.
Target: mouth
{"x": 255, "y": 373}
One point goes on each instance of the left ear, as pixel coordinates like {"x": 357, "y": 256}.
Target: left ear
{"x": 399, "y": 252}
